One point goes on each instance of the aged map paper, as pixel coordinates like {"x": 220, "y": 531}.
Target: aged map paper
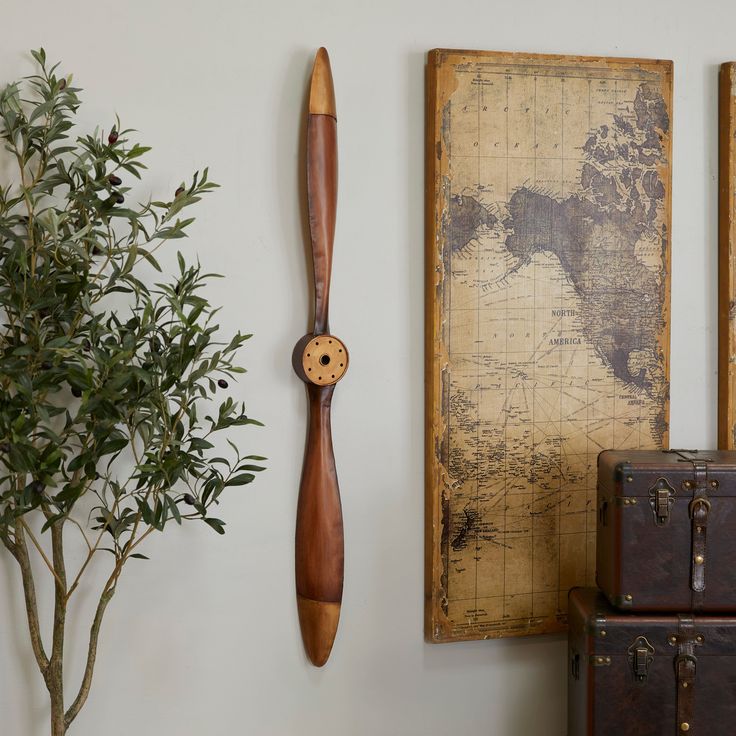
{"x": 547, "y": 325}
{"x": 727, "y": 260}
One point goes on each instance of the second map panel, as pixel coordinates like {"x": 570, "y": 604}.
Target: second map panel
{"x": 548, "y": 321}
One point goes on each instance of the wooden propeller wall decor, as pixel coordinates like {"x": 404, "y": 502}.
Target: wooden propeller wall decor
{"x": 320, "y": 360}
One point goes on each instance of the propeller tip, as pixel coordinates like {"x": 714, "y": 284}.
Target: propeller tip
{"x": 321, "y": 89}
{"x": 318, "y": 621}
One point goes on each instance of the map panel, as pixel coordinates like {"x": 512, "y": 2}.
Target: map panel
{"x": 727, "y": 259}
{"x": 548, "y": 219}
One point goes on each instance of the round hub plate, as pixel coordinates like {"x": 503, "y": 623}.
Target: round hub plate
{"x": 325, "y": 360}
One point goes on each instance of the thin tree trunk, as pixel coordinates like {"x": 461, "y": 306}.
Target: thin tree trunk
{"x": 58, "y": 723}
{"x": 55, "y": 676}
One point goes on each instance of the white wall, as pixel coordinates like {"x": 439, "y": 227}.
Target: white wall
{"x": 204, "y": 638}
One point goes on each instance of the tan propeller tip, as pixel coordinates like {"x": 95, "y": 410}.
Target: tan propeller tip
{"x": 318, "y": 621}
{"x": 321, "y": 89}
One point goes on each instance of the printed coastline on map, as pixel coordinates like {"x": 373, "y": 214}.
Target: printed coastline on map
{"x": 547, "y": 321}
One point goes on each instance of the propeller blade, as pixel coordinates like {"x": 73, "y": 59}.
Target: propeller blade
{"x": 320, "y": 360}
{"x": 322, "y": 183}
{"x": 319, "y": 533}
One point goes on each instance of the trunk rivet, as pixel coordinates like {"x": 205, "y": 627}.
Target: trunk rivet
{"x": 699, "y": 559}
{"x": 633, "y": 501}
{"x": 629, "y": 478}
{"x": 603, "y": 632}
{"x": 684, "y": 684}
{"x": 684, "y": 727}
{"x": 714, "y": 484}
{"x": 699, "y": 638}
{"x": 673, "y": 640}
{"x": 688, "y": 484}
{"x": 629, "y": 597}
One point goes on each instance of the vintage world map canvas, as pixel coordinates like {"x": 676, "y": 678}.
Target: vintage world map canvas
{"x": 547, "y": 321}
{"x": 727, "y": 259}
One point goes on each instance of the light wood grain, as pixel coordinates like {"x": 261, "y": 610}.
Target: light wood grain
{"x": 318, "y": 621}
{"x": 321, "y": 88}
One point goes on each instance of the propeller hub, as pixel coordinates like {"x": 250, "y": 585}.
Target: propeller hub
{"x": 324, "y": 360}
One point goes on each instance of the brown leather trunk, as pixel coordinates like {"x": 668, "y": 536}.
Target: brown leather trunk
{"x": 648, "y": 674}
{"x": 666, "y": 524}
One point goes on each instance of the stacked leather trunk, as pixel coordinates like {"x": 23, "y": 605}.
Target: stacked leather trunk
{"x": 653, "y": 653}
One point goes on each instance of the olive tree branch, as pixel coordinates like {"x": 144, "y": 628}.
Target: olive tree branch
{"x": 81, "y": 531}
{"x": 39, "y": 548}
{"x": 19, "y": 550}
{"x": 94, "y": 635}
{"x": 107, "y": 593}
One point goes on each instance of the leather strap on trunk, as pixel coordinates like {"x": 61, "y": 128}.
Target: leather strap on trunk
{"x": 699, "y": 510}
{"x": 685, "y": 669}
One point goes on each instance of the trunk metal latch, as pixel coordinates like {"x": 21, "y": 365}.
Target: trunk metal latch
{"x": 661, "y": 498}
{"x": 641, "y": 655}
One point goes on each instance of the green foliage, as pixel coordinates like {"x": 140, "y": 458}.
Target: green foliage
{"x": 111, "y": 389}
